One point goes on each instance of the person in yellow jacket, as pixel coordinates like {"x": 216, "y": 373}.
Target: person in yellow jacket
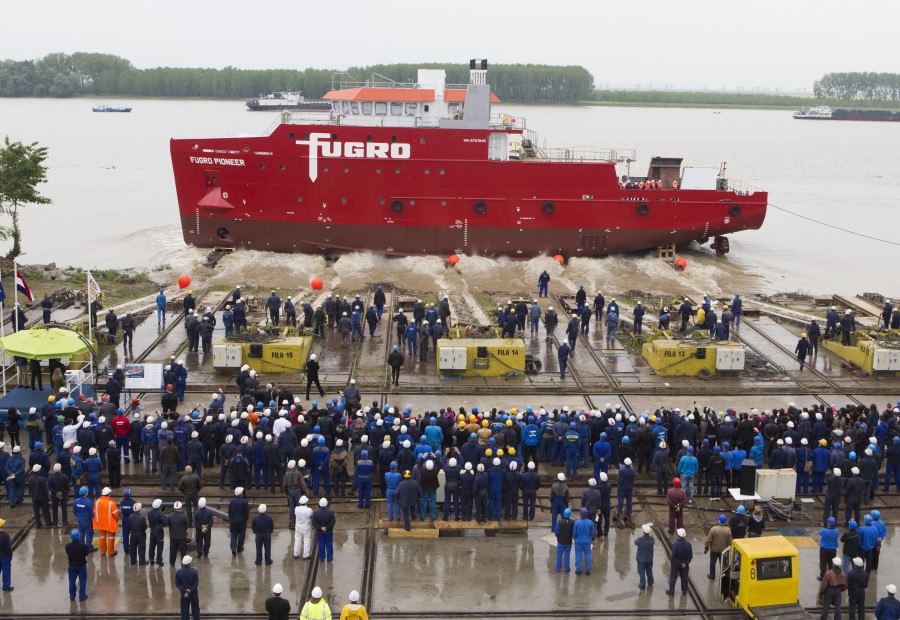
{"x": 354, "y": 610}
{"x": 315, "y": 608}
{"x": 106, "y": 522}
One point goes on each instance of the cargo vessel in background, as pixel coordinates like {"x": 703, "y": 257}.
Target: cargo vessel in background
{"x": 427, "y": 168}
{"x": 110, "y": 108}
{"x": 284, "y": 101}
{"x": 825, "y": 113}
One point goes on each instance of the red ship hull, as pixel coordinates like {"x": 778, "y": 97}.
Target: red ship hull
{"x": 408, "y": 191}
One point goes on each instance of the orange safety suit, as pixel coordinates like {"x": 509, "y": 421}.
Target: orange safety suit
{"x": 106, "y": 522}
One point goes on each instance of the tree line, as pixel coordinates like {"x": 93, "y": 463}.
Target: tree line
{"x": 67, "y": 75}
{"x": 859, "y": 85}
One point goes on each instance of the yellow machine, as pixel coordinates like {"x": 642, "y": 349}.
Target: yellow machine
{"x": 875, "y": 351}
{"x": 761, "y": 576}
{"x": 691, "y": 356}
{"x": 280, "y": 355}
{"x": 481, "y": 357}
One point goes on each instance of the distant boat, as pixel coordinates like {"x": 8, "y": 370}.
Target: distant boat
{"x": 824, "y": 113}
{"x": 816, "y": 113}
{"x": 285, "y": 101}
{"x": 111, "y": 108}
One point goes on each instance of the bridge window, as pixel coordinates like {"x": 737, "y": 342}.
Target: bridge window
{"x": 380, "y": 108}
{"x": 396, "y": 108}
{"x": 367, "y": 108}
{"x": 354, "y": 107}
{"x": 412, "y": 109}
{"x": 345, "y": 107}
{"x": 453, "y": 108}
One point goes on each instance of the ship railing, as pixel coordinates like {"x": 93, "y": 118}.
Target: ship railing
{"x": 739, "y": 187}
{"x": 588, "y": 154}
{"x": 389, "y": 84}
{"x": 386, "y": 121}
{"x": 505, "y": 121}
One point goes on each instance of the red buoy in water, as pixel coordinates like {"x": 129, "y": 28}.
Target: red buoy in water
{"x": 453, "y": 259}
{"x": 559, "y": 259}
{"x": 680, "y": 264}
{"x": 316, "y": 283}
{"x": 184, "y": 281}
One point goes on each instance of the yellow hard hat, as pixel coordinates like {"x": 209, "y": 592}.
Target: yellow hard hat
{"x": 489, "y": 452}
{"x": 804, "y": 335}
{"x": 509, "y": 422}
{"x": 190, "y": 292}
{"x": 462, "y": 424}
{"x": 472, "y": 418}
{"x": 484, "y": 423}
{"x": 500, "y": 452}
{"x": 513, "y": 411}
{"x": 460, "y": 417}
{"x": 512, "y": 451}
{"x": 653, "y": 418}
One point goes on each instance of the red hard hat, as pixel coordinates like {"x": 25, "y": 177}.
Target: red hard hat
{"x": 104, "y": 398}
{"x": 170, "y": 387}
{"x": 677, "y": 482}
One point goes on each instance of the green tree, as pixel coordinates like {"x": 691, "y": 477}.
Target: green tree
{"x": 21, "y": 170}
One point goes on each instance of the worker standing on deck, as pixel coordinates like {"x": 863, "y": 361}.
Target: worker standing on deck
{"x": 315, "y": 608}
{"x": 828, "y": 544}
{"x": 888, "y": 608}
{"x": 848, "y": 325}
{"x": 543, "y": 284}
{"x": 572, "y": 330}
{"x": 277, "y": 607}
{"x": 686, "y": 310}
{"x": 273, "y": 303}
{"x": 676, "y": 499}
{"x": 638, "y": 318}
{"x": 187, "y": 580}
{"x": 885, "y": 314}
{"x": 563, "y": 353}
{"x": 371, "y": 318}
{"x": 644, "y": 557}
{"x": 612, "y": 323}
{"x": 551, "y": 320}
{"x": 564, "y": 529}
{"x": 534, "y": 317}
{"x": 717, "y": 541}
{"x": 356, "y": 319}
{"x": 345, "y": 327}
{"x": 599, "y": 302}
{"x": 802, "y": 349}
{"x": 77, "y": 553}
{"x": 395, "y": 360}
{"x": 682, "y": 555}
{"x": 833, "y": 583}
{"x": 47, "y": 305}
{"x": 290, "y": 313}
{"x": 857, "y": 582}
{"x": 323, "y": 521}
{"x": 583, "y": 533}
{"x": 625, "y": 489}
{"x": 814, "y": 332}
{"x": 580, "y": 299}
{"x": 586, "y": 315}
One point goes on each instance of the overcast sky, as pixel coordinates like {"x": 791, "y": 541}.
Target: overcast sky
{"x": 784, "y": 44}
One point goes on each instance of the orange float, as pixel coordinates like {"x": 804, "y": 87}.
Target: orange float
{"x": 680, "y": 264}
{"x": 184, "y": 281}
{"x": 453, "y": 259}
{"x": 317, "y": 283}
{"x": 559, "y": 259}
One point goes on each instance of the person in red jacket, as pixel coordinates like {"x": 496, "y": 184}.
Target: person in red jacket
{"x": 121, "y": 426}
{"x": 676, "y": 499}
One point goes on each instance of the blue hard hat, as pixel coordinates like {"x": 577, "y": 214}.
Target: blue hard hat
{"x": 706, "y": 442}
{"x": 836, "y": 446}
{"x": 364, "y": 453}
{"x": 423, "y": 439}
{"x": 315, "y": 403}
{"x": 567, "y": 513}
{"x": 38, "y": 445}
{"x": 120, "y": 410}
{"x": 852, "y": 456}
{"x": 602, "y": 435}
{"x": 393, "y": 464}
{"x": 321, "y": 441}
{"x": 528, "y": 409}
{"x": 316, "y": 429}
{"x": 722, "y": 518}
{"x": 473, "y": 436}
{"x": 896, "y": 439}
{"x": 271, "y": 403}
{"x": 583, "y": 511}
{"x": 831, "y": 522}
{"x": 71, "y": 401}
{"x": 492, "y": 440}
{"x": 717, "y": 449}
{"x": 571, "y": 424}
{"x": 741, "y": 510}
{"x": 74, "y": 535}
{"x": 531, "y": 419}
{"x": 259, "y": 405}
{"x": 867, "y": 519}
{"x": 853, "y": 524}
{"x": 127, "y": 492}
{"x": 562, "y": 417}
{"x": 83, "y": 491}
{"x": 626, "y": 439}
{"x": 474, "y": 409}
{"x": 432, "y": 421}
{"x": 876, "y": 514}
{"x": 725, "y": 445}
{"x": 690, "y": 449}
{"x": 395, "y": 347}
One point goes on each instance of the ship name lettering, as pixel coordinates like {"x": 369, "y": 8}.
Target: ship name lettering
{"x": 321, "y": 144}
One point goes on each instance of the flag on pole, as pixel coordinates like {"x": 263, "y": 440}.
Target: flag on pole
{"x": 22, "y": 286}
{"x": 93, "y": 284}
{"x": 2, "y": 293}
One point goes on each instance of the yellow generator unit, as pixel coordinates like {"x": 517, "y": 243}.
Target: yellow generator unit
{"x": 690, "y": 357}
{"x": 281, "y": 355}
{"x": 875, "y": 351}
{"x": 481, "y": 357}
{"x": 761, "y": 577}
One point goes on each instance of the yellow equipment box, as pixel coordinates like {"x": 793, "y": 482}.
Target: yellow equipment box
{"x": 481, "y": 357}
{"x": 689, "y": 357}
{"x": 761, "y": 577}
{"x": 282, "y": 355}
{"x": 875, "y": 351}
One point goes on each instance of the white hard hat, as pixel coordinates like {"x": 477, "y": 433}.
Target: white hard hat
{"x": 647, "y": 528}
{"x": 316, "y": 592}
{"x": 323, "y": 502}
{"x": 238, "y": 491}
{"x": 681, "y": 533}
{"x": 262, "y": 508}
{"x": 186, "y": 560}
{"x": 156, "y": 503}
{"x": 277, "y": 589}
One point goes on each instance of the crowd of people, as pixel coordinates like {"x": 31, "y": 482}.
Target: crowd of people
{"x": 489, "y": 459}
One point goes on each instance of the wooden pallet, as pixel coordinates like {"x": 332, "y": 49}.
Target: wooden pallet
{"x": 399, "y": 532}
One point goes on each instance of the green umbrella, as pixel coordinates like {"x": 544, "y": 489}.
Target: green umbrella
{"x": 44, "y": 344}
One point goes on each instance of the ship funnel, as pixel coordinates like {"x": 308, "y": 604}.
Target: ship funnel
{"x": 476, "y": 75}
